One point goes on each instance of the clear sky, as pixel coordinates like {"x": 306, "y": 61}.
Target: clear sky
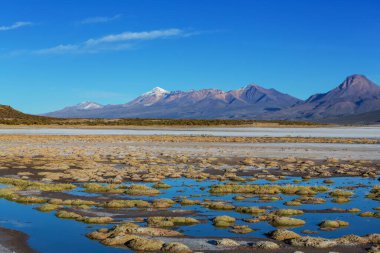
{"x": 61, "y": 52}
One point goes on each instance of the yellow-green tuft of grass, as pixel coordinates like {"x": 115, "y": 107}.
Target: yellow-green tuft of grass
{"x": 48, "y": 207}
{"x": 366, "y": 214}
{"x": 267, "y": 189}
{"x": 189, "y": 202}
{"x": 223, "y": 221}
{"x": 161, "y": 185}
{"x": 83, "y": 207}
{"x": 269, "y": 198}
{"x": 341, "y": 200}
{"x": 55, "y": 201}
{"x": 121, "y": 203}
{"x": 159, "y": 221}
{"x": 241, "y": 229}
{"x": 341, "y": 193}
{"x": 163, "y": 203}
{"x": 310, "y": 200}
{"x": 286, "y": 222}
{"x": 374, "y": 193}
{"x": 140, "y": 244}
{"x": 176, "y": 247}
{"x": 141, "y": 190}
{"x": 28, "y": 185}
{"x": 30, "y": 200}
{"x": 292, "y": 203}
{"x": 249, "y": 210}
{"x": 68, "y": 215}
{"x": 110, "y": 188}
{"x": 287, "y": 212}
{"x": 238, "y": 198}
{"x": 219, "y": 206}
{"x": 97, "y": 220}
{"x": 332, "y": 224}
{"x": 78, "y": 202}
{"x": 8, "y": 193}
{"x": 237, "y": 188}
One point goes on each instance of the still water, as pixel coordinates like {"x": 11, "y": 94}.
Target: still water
{"x": 50, "y": 234}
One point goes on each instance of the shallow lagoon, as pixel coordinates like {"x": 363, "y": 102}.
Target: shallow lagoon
{"x": 358, "y": 225}
{"x": 50, "y": 234}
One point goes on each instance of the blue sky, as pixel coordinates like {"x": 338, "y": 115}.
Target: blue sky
{"x": 59, "y": 53}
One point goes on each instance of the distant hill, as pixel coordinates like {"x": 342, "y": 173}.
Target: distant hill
{"x": 355, "y": 95}
{"x": 10, "y": 116}
{"x": 7, "y": 112}
{"x": 246, "y": 102}
{"x": 76, "y": 111}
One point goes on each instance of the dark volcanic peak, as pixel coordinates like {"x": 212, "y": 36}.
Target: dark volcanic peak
{"x": 352, "y": 87}
{"x": 358, "y": 82}
{"x": 357, "y": 85}
{"x": 356, "y": 94}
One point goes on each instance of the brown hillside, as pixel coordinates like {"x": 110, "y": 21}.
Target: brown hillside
{"x": 10, "y": 115}
{"x": 7, "y": 112}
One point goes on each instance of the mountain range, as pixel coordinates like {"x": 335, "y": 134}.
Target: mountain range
{"x": 355, "y": 95}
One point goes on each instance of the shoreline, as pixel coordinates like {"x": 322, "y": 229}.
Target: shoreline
{"x": 152, "y": 127}
{"x": 250, "y": 134}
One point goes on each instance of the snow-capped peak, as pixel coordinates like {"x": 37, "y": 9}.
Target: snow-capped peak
{"x": 156, "y": 91}
{"x": 89, "y": 105}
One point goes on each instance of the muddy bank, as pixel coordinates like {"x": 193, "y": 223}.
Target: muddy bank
{"x": 12, "y": 241}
